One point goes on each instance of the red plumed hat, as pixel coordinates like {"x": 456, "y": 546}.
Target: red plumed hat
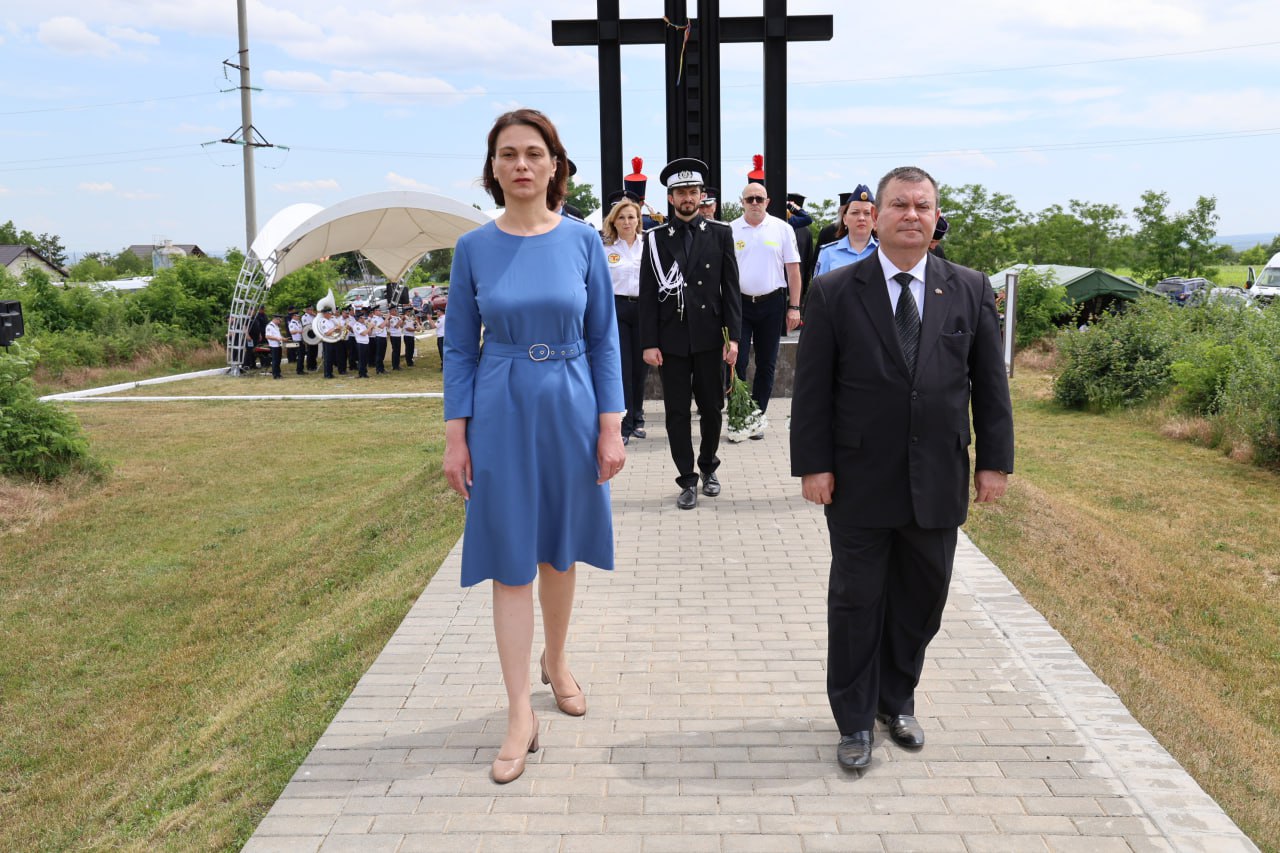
{"x": 757, "y": 168}
{"x": 636, "y": 181}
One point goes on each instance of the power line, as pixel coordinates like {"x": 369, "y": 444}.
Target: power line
{"x": 76, "y": 107}
{"x": 888, "y": 78}
{"x": 94, "y": 154}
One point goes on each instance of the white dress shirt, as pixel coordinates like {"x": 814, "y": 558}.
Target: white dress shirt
{"x": 895, "y": 289}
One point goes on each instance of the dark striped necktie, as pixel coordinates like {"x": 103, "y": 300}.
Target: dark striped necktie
{"x": 907, "y": 318}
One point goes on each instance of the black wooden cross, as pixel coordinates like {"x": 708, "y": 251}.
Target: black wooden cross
{"x": 693, "y": 106}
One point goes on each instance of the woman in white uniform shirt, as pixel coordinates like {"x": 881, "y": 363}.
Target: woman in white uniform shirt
{"x": 623, "y": 245}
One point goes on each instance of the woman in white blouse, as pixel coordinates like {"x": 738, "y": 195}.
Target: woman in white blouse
{"x": 623, "y": 244}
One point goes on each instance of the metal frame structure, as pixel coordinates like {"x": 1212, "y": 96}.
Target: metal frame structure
{"x": 391, "y": 230}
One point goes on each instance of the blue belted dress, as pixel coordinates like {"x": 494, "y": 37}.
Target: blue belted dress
{"x": 533, "y": 393}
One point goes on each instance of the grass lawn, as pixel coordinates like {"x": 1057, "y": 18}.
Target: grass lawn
{"x": 177, "y": 638}
{"x": 1158, "y": 560}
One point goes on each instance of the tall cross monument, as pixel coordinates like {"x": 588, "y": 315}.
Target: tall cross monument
{"x": 693, "y": 79}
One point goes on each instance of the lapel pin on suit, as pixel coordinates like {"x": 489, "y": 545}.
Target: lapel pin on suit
{"x": 938, "y": 290}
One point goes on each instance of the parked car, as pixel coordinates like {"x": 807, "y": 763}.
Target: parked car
{"x": 1179, "y": 290}
{"x": 1266, "y": 287}
{"x": 1230, "y": 296}
{"x": 428, "y": 295}
{"x": 364, "y": 296}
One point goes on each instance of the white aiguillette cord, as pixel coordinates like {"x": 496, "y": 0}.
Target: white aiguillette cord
{"x": 672, "y": 281}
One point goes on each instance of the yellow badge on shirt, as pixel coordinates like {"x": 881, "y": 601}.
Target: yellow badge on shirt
{"x": 740, "y": 245}
{"x": 614, "y": 257}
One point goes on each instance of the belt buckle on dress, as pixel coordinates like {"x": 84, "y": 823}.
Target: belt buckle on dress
{"x": 539, "y": 352}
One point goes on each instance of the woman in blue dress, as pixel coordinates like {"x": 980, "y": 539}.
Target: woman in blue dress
{"x": 533, "y": 416}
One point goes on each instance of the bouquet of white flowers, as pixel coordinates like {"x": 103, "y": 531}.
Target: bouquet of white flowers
{"x": 745, "y": 417}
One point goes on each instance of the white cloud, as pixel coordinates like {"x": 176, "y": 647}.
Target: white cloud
{"x": 139, "y": 195}
{"x": 385, "y": 87}
{"x": 407, "y": 183}
{"x": 4, "y": 190}
{"x": 130, "y": 34}
{"x": 903, "y": 116}
{"x": 1206, "y": 111}
{"x": 73, "y": 37}
{"x": 96, "y": 187}
{"x": 307, "y": 186}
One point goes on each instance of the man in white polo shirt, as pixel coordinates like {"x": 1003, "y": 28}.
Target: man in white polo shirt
{"x": 769, "y": 276}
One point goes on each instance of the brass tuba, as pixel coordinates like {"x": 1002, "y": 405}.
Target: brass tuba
{"x": 311, "y": 335}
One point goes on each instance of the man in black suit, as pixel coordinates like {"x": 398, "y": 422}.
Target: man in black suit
{"x": 688, "y": 297}
{"x": 895, "y": 350}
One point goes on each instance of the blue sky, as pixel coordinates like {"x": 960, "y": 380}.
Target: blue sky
{"x": 106, "y": 103}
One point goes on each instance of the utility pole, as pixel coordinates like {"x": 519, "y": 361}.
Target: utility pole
{"x": 246, "y": 130}
{"x": 247, "y": 135}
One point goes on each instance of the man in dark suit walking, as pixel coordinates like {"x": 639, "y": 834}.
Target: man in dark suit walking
{"x": 895, "y": 350}
{"x": 688, "y": 297}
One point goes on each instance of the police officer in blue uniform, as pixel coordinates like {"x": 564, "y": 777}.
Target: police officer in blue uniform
{"x": 855, "y": 239}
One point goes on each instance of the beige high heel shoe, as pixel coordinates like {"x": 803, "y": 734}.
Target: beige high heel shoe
{"x": 506, "y": 770}
{"x": 575, "y": 705}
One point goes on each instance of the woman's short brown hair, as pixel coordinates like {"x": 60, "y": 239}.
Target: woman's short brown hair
{"x": 558, "y": 186}
{"x": 610, "y": 227}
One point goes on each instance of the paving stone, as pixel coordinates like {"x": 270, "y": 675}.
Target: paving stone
{"x": 703, "y": 659}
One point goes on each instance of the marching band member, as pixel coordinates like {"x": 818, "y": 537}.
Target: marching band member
{"x": 275, "y": 341}
{"x": 379, "y": 342}
{"x": 360, "y": 335}
{"x": 395, "y": 330}
{"x": 309, "y": 317}
{"x": 411, "y": 327}
{"x": 326, "y": 326}
{"x": 298, "y": 353}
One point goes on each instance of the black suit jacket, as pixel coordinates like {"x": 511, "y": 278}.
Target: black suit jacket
{"x": 712, "y": 299}
{"x": 899, "y": 447}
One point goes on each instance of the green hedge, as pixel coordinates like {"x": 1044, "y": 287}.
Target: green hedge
{"x": 37, "y": 440}
{"x": 1217, "y": 361}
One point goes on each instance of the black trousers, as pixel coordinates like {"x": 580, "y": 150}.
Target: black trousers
{"x": 694, "y": 376}
{"x": 340, "y": 354}
{"x": 313, "y": 352}
{"x": 634, "y": 370}
{"x": 440, "y": 349}
{"x": 300, "y": 357}
{"x": 275, "y": 361}
{"x": 410, "y": 344}
{"x": 762, "y": 325}
{"x": 396, "y": 345}
{"x": 330, "y": 353}
{"x": 362, "y": 360}
{"x": 353, "y": 353}
{"x": 884, "y": 605}
{"x": 379, "y": 353}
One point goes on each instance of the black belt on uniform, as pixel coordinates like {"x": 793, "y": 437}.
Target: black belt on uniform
{"x": 763, "y": 297}
{"x": 627, "y": 298}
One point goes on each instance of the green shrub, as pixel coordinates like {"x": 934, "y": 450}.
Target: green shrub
{"x": 37, "y": 440}
{"x": 1121, "y": 359}
{"x": 1249, "y": 401}
{"x": 1041, "y": 301}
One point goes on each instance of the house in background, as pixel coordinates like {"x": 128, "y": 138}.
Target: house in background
{"x": 163, "y": 255}
{"x": 18, "y": 259}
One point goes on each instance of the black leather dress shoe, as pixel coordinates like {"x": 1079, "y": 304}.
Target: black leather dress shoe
{"x": 854, "y": 751}
{"x": 710, "y": 485}
{"x": 904, "y": 729}
{"x": 639, "y": 432}
{"x": 688, "y": 498}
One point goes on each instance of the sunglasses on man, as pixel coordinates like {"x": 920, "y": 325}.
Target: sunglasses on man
{"x": 754, "y": 199}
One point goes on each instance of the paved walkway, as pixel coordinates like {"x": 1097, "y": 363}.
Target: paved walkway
{"x": 708, "y": 729}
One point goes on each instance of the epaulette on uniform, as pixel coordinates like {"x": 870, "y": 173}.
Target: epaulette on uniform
{"x": 717, "y": 222}
{"x": 825, "y": 245}
{"x": 568, "y": 215}
{"x": 654, "y": 228}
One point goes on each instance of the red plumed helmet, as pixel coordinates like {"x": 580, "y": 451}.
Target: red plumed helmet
{"x": 757, "y": 168}
{"x": 636, "y": 181}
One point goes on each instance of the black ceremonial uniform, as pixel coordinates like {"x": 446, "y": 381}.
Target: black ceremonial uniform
{"x": 685, "y": 321}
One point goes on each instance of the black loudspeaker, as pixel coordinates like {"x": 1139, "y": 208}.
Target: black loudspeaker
{"x": 10, "y": 322}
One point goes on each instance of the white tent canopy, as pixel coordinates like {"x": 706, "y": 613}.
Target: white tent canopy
{"x": 393, "y": 230}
